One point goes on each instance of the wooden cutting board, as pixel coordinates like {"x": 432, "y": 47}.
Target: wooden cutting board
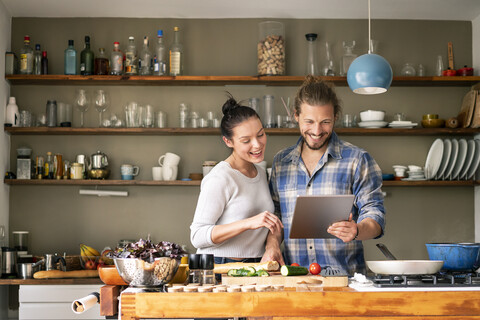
{"x": 289, "y": 281}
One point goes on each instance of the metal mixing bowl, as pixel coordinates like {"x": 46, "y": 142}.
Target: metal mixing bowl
{"x": 139, "y": 273}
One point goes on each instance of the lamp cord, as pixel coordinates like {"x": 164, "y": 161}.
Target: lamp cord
{"x": 369, "y": 31}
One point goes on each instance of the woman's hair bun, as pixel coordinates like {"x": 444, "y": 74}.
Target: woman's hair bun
{"x": 229, "y": 105}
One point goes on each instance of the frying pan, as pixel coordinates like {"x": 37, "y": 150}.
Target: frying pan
{"x": 403, "y": 267}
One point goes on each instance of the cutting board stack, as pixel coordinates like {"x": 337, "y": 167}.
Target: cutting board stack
{"x": 469, "y": 116}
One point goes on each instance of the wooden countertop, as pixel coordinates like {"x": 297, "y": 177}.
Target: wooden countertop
{"x": 50, "y": 281}
{"x": 331, "y": 303}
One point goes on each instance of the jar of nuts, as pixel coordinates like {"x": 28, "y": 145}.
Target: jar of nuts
{"x": 271, "y": 49}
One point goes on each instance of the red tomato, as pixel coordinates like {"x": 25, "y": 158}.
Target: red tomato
{"x": 315, "y": 268}
{"x": 295, "y": 264}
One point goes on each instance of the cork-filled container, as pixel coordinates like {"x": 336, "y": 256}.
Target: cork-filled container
{"x": 271, "y": 48}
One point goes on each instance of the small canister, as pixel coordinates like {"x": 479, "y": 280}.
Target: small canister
{"x": 51, "y": 113}
{"x": 207, "y": 166}
{"x": 76, "y": 171}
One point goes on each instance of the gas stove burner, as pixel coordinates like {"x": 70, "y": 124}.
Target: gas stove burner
{"x": 441, "y": 279}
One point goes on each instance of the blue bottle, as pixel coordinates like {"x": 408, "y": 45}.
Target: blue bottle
{"x": 70, "y": 59}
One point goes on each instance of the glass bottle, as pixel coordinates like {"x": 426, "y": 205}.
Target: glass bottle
{"x": 312, "y": 67}
{"x": 329, "y": 68}
{"x": 145, "y": 59}
{"x": 116, "y": 60}
{"x": 176, "y": 54}
{"x": 86, "y": 59}
{"x": 101, "y": 63}
{"x": 131, "y": 58}
{"x": 26, "y": 57}
{"x": 49, "y": 167}
{"x": 348, "y": 56}
{"x": 12, "y": 115}
{"x": 70, "y": 59}
{"x": 160, "y": 59}
{"x": 44, "y": 63}
{"x": 37, "y": 60}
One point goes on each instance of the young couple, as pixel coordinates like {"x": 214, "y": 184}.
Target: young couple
{"x": 239, "y": 217}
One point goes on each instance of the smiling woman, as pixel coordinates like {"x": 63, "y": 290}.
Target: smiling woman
{"x": 234, "y": 209}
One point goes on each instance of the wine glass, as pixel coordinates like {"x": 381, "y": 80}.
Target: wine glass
{"x": 102, "y": 101}
{"x": 82, "y": 103}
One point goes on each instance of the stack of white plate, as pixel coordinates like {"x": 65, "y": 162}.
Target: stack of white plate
{"x": 452, "y": 159}
{"x": 402, "y": 124}
{"x": 415, "y": 173}
{"x": 372, "y": 124}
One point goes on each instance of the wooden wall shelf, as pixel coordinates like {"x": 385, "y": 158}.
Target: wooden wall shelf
{"x": 215, "y": 131}
{"x": 52, "y": 79}
{"x": 36, "y": 182}
{"x": 392, "y": 183}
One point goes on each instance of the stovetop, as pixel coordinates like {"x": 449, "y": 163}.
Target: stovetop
{"x": 441, "y": 279}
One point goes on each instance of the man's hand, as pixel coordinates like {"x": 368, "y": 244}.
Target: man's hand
{"x": 344, "y": 230}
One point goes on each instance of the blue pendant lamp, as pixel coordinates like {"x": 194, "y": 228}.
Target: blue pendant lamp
{"x": 369, "y": 73}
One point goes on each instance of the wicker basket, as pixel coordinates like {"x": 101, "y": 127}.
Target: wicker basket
{"x": 73, "y": 263}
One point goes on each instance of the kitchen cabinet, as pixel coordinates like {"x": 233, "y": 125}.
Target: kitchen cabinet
{"x": 55, "y": 301}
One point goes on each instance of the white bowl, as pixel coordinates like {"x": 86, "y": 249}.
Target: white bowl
{"x": 372, "y": 115}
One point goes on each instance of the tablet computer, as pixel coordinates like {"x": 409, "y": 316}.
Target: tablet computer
{"x": 314, "y": 214}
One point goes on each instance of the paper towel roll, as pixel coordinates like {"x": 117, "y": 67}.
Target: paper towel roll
{"x": 81, "y": 305}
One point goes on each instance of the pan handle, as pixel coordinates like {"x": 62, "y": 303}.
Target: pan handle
{"x": 385, "y": 251}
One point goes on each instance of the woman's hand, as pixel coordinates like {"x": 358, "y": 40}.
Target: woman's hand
{"x": 344, "y": 230}
{"x": 267, "y": 220}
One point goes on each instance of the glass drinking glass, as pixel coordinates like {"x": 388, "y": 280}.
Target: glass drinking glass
{"x": 82, "y": 103}
{"x": 102, "y": 101}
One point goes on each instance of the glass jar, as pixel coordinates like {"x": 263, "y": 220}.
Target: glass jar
{"x": 76, "y": 171}
{"x": 408, "y": 70}
{"x": 271, "y": 48}
{"x": 269, "y": 111}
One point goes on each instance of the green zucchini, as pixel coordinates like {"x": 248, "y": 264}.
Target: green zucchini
{"x": 293, "y": 271}
{"x": 243, "y": 272}
{"x": 261, "y": 273}
{"x": 233, "y": 272}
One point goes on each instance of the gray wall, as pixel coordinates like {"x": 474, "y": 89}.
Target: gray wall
{"x": 59, "y": 219}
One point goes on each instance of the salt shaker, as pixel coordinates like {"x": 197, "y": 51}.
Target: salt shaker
{"x": 51, "y": 113}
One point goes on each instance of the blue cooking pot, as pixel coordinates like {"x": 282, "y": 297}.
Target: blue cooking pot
{"x": 456, "y": 256}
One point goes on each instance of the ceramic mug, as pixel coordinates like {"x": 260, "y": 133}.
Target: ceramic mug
{"x": 157, "y": 173}
{"x": 129, "y": 171}
{"x": 169, "y": 159}
{"x": 169, "y": 172}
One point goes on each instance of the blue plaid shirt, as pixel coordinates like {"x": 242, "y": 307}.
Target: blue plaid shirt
{"x": 343, "y": 169}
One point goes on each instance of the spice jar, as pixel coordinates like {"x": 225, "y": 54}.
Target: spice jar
{"x": 271, "y": 48}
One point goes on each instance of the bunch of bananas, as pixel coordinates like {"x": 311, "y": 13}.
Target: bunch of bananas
{"x": 87, "y": 252}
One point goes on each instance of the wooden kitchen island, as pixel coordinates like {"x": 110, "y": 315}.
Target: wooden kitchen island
{"x": 331, "y": 303}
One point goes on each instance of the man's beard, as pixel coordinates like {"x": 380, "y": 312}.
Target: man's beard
{"x": 313, "y": 147}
